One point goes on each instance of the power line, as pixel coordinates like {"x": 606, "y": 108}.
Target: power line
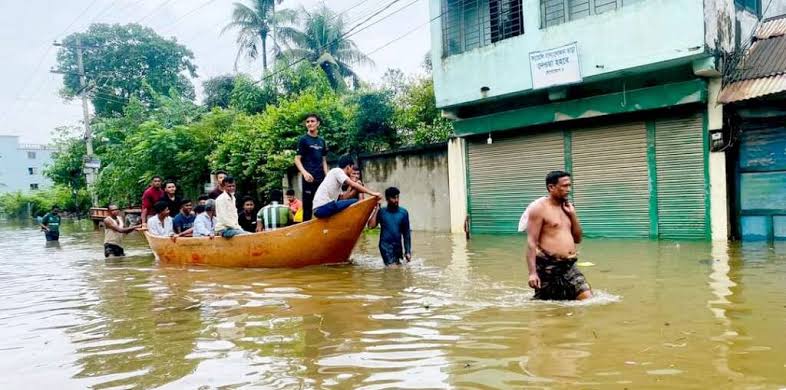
{"x": 153, "y": 11}
{"x": 343, "y": 36}
{"x": 41, "y": 61}
{"x": 179, "y": 19}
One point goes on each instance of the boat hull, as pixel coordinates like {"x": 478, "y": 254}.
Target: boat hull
{"x": 319, "y": 241}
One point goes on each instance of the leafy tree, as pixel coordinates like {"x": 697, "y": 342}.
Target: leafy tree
{"x": 66, "y": 168}
{"x": 322, "y": 41}
{"x": 254, "y": 24}
{"x": 247, "y": 96}
{"x": 373, "y": 122}
{"x": 218, "y": 91}
{"x": 417, "y": 117}
{"x": 38, "y": 203}
{"x": 125, "y": 61}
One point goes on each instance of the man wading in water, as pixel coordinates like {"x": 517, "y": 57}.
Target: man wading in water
{"x": 553, "y": 230}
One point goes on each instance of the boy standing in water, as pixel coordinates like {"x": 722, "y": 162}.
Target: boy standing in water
{"x": 50, "y": 224}
{"x": 394, "y": 221}
{"x": 553, "y": 230}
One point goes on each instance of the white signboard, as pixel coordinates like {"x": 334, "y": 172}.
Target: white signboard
{"x": 553, "y": 67}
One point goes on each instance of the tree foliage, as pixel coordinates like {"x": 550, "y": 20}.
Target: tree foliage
{"x": 218, "y": 91}
{"x": 254, "y": 24}
{"x": 38, "y": 203}
{"x": 67, "y": 161}
{"x": 321, "y": 39}
{"x": 125, "y": 61}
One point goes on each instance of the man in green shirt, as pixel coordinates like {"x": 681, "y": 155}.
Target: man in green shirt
{"x": 275, "y": 215}
{"x": 50, "y": 224}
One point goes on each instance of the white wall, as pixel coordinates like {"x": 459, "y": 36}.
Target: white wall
{"x": 15, "y": 164}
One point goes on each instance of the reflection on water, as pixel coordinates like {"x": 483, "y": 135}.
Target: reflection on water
{"x": 666, "y": 314}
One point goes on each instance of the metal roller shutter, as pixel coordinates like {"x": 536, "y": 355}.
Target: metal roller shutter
{"x": 679, "y": 157}
{"x": 610, "y": 180}
{"x": 508, "y": 174}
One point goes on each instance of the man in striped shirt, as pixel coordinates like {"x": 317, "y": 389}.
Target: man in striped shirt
{"x": 275, "y": 215}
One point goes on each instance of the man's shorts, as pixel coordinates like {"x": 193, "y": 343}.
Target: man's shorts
{"x": 560, "y": 279}
{"x": 391, "y": 254}
{"x": 113, "y": 250}
{"x": 52, "y": 236}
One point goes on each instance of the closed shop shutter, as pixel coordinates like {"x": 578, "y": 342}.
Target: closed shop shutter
{"x": 610, "y": 180}
{"x": 762, "y": 183}
{"x": 507, "y": 175}
{"x": 679, "y": 157}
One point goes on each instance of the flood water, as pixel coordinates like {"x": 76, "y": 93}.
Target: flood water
{"x": 666, "y": 315}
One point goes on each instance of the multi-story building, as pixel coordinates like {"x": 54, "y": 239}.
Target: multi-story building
{"x": 22, "y": 165}
{"x": 621, "y": 93}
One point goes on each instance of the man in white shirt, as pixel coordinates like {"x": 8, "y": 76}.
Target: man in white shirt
{"x": 326, "y": 200}
{"x": 205, "y": 222}
{"x": 161, "y": 223}
{"x": 227, "y": 224}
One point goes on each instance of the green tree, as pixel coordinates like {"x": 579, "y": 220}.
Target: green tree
{"x": 322, "y": 41}
{"x": 373, "y": 123}
{"x": 250, "y": 98}
{"x": 125, "y": 61}
{"x": 67, "y": 162}
{"x": 218, "y": 91}
{"x": 254, "y": 25}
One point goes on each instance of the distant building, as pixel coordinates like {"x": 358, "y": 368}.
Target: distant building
{"x": 22, "y": 165}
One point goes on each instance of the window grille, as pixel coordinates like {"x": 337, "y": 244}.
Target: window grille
{"x": 469, "y": 24}
{"x": 554, "y": 12}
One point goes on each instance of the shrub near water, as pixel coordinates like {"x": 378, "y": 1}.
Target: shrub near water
{"x": 15, "y": 204}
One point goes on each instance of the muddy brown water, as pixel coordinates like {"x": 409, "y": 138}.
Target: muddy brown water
{"x": 665, "y": 315}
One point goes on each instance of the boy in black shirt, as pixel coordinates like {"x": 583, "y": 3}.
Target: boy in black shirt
{"x": 311, "y": 161}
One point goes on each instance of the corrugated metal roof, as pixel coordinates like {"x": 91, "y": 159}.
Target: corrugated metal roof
{"x": 763, "y": 68}
{"x": 754, "y": 88}
{"x": 765, "y": 58}
{"x": 772, "y": 27}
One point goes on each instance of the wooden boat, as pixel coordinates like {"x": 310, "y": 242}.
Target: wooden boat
{"x": 319, "y": 241}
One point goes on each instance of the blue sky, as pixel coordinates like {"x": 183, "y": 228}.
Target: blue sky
{"x": 29, "y": 101}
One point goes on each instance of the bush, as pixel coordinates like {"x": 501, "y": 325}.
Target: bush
{"x": 17, "y": 204}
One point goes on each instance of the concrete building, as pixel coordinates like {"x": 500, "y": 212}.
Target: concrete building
{"x": 22, "y": 165}
{"x": 620, "y": 93}
{"x": 755, "y": 99}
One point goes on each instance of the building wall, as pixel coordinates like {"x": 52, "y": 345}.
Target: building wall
{"x": 15, "y": 162}
{"x": 422, "y": 177}
{"x": 637, "y": 37}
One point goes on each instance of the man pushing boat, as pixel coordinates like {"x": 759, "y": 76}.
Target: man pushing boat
{"x": 326, "y": 199}
{"x": 553, "y": 230}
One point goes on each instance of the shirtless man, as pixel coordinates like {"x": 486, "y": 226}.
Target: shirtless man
{"x": 553, "y": 232}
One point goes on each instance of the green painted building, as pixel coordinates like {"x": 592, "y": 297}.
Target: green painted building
{"x": 622, "y": 94}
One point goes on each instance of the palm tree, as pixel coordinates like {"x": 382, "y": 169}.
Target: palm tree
{"x": 323, "y": 42}
{"x": 255, "y": 23}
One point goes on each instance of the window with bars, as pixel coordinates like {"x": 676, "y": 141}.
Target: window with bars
{"x": 554, "y": 12}
{"x": 469, "y": 24}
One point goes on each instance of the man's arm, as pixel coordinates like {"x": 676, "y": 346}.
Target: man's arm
{"x": 372, "y": 221}
{"x": 575, "y": 226}
{"x": 348, "y": 194}
{"x": 534, "y": 226}
{"x": 406, "y": 231}
{"x": 109, "y": 223}
{"x": 362, "y": 189}
{"x": 303, "y": 171}
{"x": 325, "y": 164}
{"x": 146, "y": 205}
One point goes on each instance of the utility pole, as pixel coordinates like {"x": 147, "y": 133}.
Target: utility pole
{"x": 91, "y": 163}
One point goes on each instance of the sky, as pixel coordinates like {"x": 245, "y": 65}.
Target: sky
{"x": 29, "y": 102}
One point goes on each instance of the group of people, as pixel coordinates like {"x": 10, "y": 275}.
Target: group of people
{"x": 552, "y": 225}
{"x": 326, "y": 192}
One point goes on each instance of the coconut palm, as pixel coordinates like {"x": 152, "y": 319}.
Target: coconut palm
{"x": 322, "y": 40}
{"x": 254, "y": 25}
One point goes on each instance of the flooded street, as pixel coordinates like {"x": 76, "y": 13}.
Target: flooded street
{"x": 665, "y": 315}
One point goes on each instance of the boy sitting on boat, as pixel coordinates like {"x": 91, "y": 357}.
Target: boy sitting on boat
{"x": 326, "y": 199}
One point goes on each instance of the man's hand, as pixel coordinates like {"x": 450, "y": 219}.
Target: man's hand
{"x": 569, "y": 209}
{"x": 408, "y": 256}
{"x": 308, "y": 177}
{"x": 211, "y": 236}
{"x": 44, "y": 228}
{"x": 534, "y": 281}
{"x": 174, "y": 237}
{"x": 376, "y": 194}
